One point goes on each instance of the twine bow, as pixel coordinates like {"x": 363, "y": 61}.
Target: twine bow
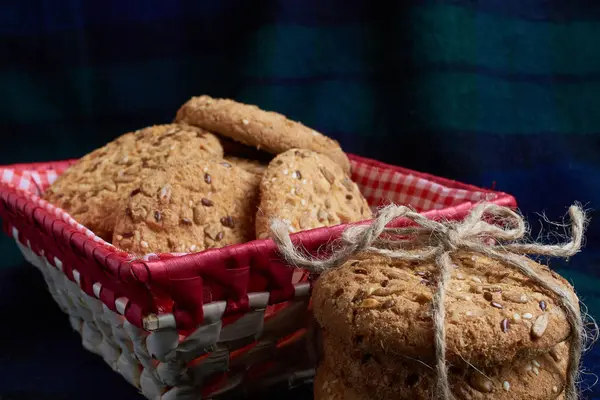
{"x": 489, "y": 229}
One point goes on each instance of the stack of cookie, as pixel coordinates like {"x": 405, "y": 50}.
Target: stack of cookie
{"x": 506, "y": 336}
{"x": 214, "y": 177}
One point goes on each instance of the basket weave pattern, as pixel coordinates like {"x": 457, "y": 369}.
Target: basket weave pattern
{"x": 192, "y": 326}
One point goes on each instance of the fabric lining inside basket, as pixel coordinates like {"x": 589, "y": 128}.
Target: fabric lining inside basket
{"x": 381, "y": 184}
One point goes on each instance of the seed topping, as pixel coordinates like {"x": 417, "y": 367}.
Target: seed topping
{"x": 388, "y": 304}
{"x": 228, "y": 221}
{"x": 481, "y": 383}
{"x": 186, "y": 221}
{"x": 369, "y": 303}
{"x": 360, "y": 296}
{"x": 515, "y": 297}
{"x": 539, "y": 326}
{"x": 495, "y": 304}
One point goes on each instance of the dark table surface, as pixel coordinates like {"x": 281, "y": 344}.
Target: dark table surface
{"x": 42, "y": 358}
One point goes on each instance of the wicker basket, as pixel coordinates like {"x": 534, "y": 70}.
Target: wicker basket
{"x": 197, "y": 325}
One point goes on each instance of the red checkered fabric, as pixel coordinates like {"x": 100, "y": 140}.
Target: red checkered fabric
{"x": 33, "y": 180}
{"x": 380, "y": 184}
{"x": 383, "y": 184}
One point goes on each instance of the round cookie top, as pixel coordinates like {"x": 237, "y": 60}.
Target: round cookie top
{"x": 91, "y": 189}
{"x": 309, "y": 190}
{"x": 540, "y": 378}
{"x": 188, "y": 207}
{"x": 493, "y": 313}
{"x": 252, "y": 126}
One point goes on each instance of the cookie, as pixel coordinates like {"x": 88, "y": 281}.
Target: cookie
{"x": 309, "y": 191}
{"x": 92, "y": 188}
{"x": 252, "y": 126}
{"x": 493, "y": 313}
{"x": 328, "y": 386}
{"x": 253, "y": 166}
{"x": 188, "y": 207}
{"x": 540, "y": 378}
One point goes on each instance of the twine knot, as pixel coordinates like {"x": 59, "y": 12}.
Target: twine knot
{"x": 489, "y": 229}
{"x": 450, "y": 239}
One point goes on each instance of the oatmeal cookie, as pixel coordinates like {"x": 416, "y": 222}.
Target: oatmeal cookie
{"x": 188, "y": 207}
{"x": 493, "y": 313}
{"x": 92, "y": 188}
{"x": 540, "y": 378}
{"x": 252, "y": 126}
{"x": 308, "y": 190}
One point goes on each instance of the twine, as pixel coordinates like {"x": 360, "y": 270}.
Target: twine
{"x": 432, "y": 240}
